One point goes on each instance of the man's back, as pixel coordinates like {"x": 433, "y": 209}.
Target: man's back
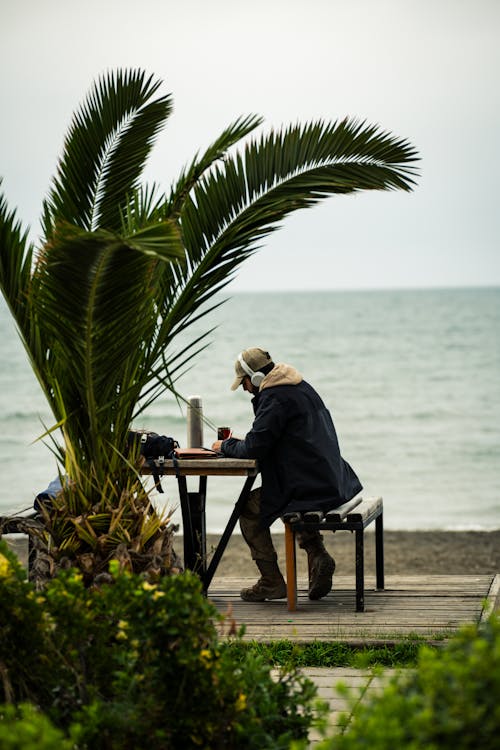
{"x": 294, "y": 439}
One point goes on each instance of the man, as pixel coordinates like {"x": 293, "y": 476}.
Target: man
{"x": 294, "y": 440}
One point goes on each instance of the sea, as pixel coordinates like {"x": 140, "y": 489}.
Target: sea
{"x": 411, "y": 377}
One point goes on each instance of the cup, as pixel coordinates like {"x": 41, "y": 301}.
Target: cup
{"x": 223, "y": 433}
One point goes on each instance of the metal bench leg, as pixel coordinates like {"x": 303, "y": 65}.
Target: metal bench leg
{"x": 379, "y": 550}
{"x": 291, "y": 568}
{"x": 360, "y": 570}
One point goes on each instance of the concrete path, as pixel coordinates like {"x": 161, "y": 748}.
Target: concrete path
{"x": 360, "y": 685}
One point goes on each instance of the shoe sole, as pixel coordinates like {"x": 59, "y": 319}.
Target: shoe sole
{"x": 261, "y": 598}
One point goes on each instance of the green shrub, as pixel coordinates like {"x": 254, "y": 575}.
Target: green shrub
{"x": 23, "y": 632}
{"x": 132, "y": 665}
{"x": 451, "y": 701}
{"x": 25, "y": 728}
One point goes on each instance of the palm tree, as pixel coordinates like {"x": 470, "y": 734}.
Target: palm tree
{"x": 120, "y": 271}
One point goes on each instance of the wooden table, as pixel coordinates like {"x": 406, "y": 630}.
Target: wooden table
{"x": 193, "y": 505}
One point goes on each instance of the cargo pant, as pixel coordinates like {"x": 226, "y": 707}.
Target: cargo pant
{"x": 258, "y": 537}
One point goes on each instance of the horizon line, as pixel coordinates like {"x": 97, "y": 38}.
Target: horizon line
{"x": 437, "y": 288}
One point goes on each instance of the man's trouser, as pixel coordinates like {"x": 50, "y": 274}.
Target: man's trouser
{"x": 258, "y": 537}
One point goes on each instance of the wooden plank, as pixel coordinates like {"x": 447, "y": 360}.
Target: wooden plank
{"x": 311, "y": 633}
{"x": 335, "y": 610}
{"x": 369, "y": 508}
{"x": 338, "y": 514}
{"x": 412, "y": 583}
{"x": 380, "y": 637}
{"x": 372, "y": 616}
{"x": 493, "y": 598}
{"x": 205, "y": 467}
{"x": 313, "y": 516}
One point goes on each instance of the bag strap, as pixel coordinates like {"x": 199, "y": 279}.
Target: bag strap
{"x": 154, "y": 472}
{"x": 154, "y": 469}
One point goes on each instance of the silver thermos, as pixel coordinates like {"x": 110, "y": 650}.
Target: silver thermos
{"x": 194, "y": 422}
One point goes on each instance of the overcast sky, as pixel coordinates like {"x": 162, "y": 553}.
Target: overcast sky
{"x": 426, "y": 70}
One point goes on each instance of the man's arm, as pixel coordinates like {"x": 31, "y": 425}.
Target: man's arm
{"x": 231, "y": 448}
{"x": 266, "y": 430}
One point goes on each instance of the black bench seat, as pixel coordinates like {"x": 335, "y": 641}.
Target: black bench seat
{"x": 355, "y": 516}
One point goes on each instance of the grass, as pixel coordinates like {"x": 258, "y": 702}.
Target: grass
{"x": 286, "y": 653}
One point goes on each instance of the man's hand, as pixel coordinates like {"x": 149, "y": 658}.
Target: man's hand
{"x": 217, "y": 446}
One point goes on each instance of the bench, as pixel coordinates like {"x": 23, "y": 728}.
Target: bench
{"x": 354, "y": 515}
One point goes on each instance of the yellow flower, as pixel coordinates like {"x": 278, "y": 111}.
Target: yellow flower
{"x": 122, "y": 627}
{"x": 241, "y": 702}
{"x": 148, "y": 586}
{"x": 205, "y": 657}
{"x": 5, "y": 567}
{"x": 49, "y": 621}
{"x": 158, "y": 595}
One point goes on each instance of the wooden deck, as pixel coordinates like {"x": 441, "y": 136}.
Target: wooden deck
{"x": 427, "y": 607}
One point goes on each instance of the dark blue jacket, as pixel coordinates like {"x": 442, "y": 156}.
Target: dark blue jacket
{"x": 294, "y": 440}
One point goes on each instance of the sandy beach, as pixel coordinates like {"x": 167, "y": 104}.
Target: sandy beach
{"x": 432, "y": 552}
{"x": 419, "y": 552}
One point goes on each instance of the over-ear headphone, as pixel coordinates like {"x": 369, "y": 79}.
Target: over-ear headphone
{"x": 256, "y": 378}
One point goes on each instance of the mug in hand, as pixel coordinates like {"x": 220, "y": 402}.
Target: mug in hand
{"x": 223, "y": 433}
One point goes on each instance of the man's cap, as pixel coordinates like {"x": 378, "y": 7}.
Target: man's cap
{"x": 255, "y": 359}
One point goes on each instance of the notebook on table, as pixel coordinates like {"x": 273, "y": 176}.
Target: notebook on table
{"x": 195, "y": 453}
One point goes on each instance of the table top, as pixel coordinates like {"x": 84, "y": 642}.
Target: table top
{"x": 207, "y": 467}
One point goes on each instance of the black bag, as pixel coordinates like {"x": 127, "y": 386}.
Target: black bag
{"x": 154, "y": 448}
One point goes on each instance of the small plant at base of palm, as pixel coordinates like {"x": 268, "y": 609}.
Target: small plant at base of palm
{"x": 121, "y": 525}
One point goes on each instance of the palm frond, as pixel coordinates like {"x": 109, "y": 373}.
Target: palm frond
{"x": 16, "y": 255}
{"x": 235, "y": 205}
{"x": 190, "y": 176}
{"x": 105, "y": 151}
{"x": 246, "y": 198}
{"x": 93, "y": 301}
{"x": 143, "y": 207}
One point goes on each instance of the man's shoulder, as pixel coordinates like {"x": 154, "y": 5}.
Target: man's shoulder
{"x": 285, "y": 391}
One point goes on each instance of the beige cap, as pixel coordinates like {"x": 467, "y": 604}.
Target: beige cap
{"x": 254, "y": 358}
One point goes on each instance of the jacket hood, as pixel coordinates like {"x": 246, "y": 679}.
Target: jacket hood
{"x": 281, "y": 374}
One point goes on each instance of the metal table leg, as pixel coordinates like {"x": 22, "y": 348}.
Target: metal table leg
{"x": 193, "y": 522}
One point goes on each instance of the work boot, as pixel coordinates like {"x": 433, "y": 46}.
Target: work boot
{"x": 271, "y": 584}
{"x": 321, "y": 569}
